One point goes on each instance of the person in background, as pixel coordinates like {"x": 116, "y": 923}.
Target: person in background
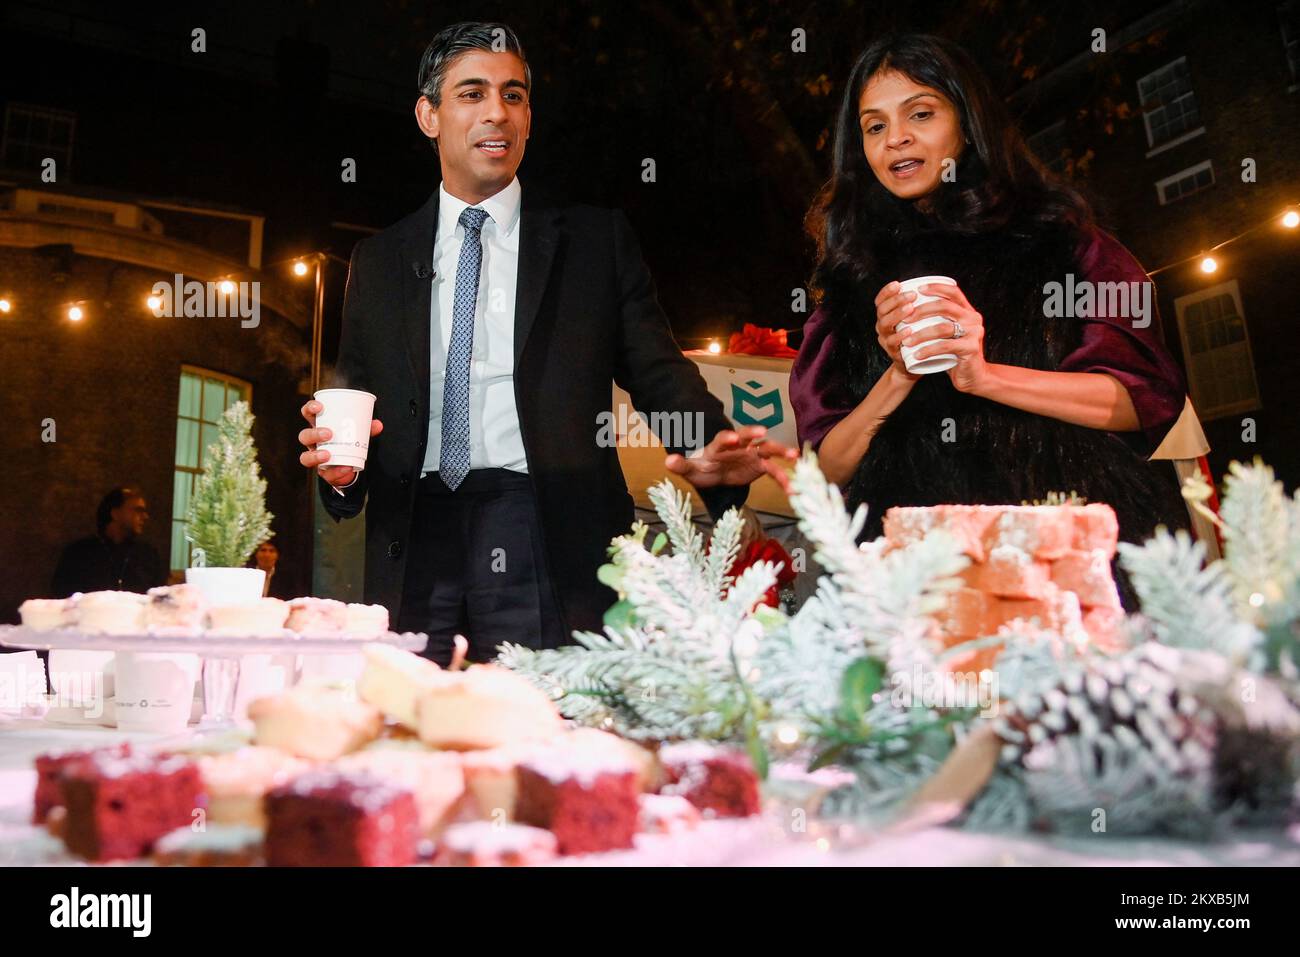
{"x": 267, "y": 558}
{"x": 115, "y": 558}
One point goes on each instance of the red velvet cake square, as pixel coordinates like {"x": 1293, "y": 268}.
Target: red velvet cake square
{"x": 49, "y": 769}
{"x": 589, "y": 801}
{"x": 719, "y": 781}
{"x": 117, "y": 807}
{"x": 328, "y": 819}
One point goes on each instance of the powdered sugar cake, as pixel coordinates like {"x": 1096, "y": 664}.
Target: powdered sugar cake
{"x": 718, "y": 780}
{"x": 319, "y": 722}
{"x": 317, "y": 616}
{"x": 433, "y": 777}
{"x": 117, "y": 807}
{"x": 1044, "y": 568}
{"x": 493, "y": 844}
{"x": 330, "y": 819}
{"x": 176, "y": 609}
{"x": 588, "y": 800}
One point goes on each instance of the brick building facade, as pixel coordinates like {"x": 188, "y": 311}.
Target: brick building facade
{"x": 93, "y": 403}
{"x": 1209, "y": 85}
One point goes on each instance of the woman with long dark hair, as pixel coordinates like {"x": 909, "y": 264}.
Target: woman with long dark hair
{"x": 931, "y": 177}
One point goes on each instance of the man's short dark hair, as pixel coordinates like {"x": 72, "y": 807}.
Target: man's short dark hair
{"x": 114, "y": 499}
{"x": 461, "y": 38}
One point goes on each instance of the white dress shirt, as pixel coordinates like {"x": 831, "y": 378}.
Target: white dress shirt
{"x": 495, "y": 439}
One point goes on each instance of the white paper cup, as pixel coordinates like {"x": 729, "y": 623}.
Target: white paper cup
{"x": 155, "y": 691}
{"x": 939, "y": 363}
{"x": 347, "y": 414}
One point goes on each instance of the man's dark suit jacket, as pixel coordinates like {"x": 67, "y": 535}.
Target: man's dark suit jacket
{"x": 94, "y": 563}
{"x": 586, "y": 315}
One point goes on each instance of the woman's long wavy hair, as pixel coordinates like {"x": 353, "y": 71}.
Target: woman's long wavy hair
{"x": 999, "y": 181}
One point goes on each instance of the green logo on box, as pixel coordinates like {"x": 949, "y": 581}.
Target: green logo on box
{"x": 757, "y": 401}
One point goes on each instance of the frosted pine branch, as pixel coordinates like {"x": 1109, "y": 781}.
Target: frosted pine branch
{"x": 1190, "y": 606}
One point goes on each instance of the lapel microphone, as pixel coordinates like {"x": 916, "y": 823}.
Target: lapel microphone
{"x": 422, "y": 271}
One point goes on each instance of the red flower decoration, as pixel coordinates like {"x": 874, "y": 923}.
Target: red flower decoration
{"x": 766, "y": 550}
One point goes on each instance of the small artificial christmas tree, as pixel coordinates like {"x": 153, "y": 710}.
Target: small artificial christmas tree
{"x": 227, "y": 517}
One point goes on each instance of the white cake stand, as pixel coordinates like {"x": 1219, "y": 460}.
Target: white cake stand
{"x": 221, "y": 654}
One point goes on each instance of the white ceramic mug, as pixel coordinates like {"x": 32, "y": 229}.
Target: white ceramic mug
{"x": 939, "y": 363}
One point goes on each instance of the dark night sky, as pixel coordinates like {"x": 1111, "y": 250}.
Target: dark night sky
{"x": 286, "y": 90}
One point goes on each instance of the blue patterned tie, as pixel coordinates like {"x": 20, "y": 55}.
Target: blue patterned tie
{"x": 453, "y": 456}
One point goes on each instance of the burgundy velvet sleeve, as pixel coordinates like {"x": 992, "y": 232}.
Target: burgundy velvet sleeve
{"x": 811, "y": 393}
{"x": 1135, "y": 357}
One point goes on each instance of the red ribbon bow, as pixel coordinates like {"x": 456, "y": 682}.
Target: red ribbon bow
{"x": 756, "y": 341}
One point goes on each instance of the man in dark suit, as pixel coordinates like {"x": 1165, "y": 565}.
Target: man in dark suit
{"x": 490, "y": 332}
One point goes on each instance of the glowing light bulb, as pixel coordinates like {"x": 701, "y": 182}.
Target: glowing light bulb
{"x": 154, "y": 303}
{"x": 75, "y": 313}
{"x": 1291, "y": 219}
{"x": 5, "y": 305}
{"x": 715, "y": 347}
{"x": 300, "y": 268}
{"x": 227, "y": 287}
{"x": 1209, "y": 264}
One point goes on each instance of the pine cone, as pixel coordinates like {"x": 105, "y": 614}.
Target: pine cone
{"x": 1134, "y": 699}
{"x": 1183, "y": 709}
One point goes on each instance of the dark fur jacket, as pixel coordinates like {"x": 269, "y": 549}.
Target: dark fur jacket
{"x": 943, "y": 446}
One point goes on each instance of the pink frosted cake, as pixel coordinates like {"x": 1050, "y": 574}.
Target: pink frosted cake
{"x": 1037, "y": 568}
{"x": 317, "y": 616}
{"x": 316, "y": 722}
{"x": 176, "y": 609}
{"x": 667, "y": 814}
{"x": 365, "y": 621}
{"x": 489, "y": 844}
{"x": 263, "y": 618}
{"x": 236, "y": 781}
{"x": 111, "y": 613}
{"x": 47, "y": 614}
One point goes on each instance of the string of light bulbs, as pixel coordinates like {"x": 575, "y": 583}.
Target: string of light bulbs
{"x": 1290, "y": 219}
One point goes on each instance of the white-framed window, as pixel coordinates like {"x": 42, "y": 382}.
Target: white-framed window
{"x": 1288, "y": 15}
{"x": 1050, "y": 146}
{"x": 204, "y": 397}
{"x": 1169, "y": 107}
{"x": 1216, "y": 347}
{"x": 1185, "y": 182}
{"x": 33, "y": 133}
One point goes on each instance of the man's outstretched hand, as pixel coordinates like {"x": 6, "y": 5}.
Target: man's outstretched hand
{"x": 735, "y": 458}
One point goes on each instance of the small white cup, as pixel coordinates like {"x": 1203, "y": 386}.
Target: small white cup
{"x": 155, "y": 691}
{"x": 940, "y": 363}
{"x": 347, "y": 414}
